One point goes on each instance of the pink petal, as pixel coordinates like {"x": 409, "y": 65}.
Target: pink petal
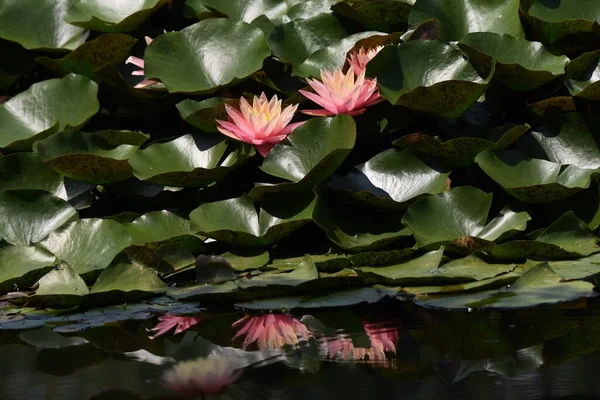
{"x": 265, "y": 148}
{"x": 319, "y": 113}
{"x": 325, "y": 103}
{"x": 138, "y": 62}
{"x": 145, "y": 83}
{"x": 290, "y": 128}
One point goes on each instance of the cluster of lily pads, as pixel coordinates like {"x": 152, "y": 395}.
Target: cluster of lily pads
{"x": 455, "y": 161}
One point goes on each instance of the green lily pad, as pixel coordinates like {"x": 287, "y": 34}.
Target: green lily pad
{"x": 111, "y": 15}
{"x": 213, "y": 269}
{"x": 89, "y": 244}
{"x": 392, "y": 179}
{"x": 383, "y": 15}
{"x": 429, "y": 29}
{"x": 567, "y": 238}
{"x": 237, "y": 221}
{"x": 521, "y": 65}
{"x": 444, "y": 85}
{"x": 412, "y": 272}
{"x": 45, "y": 108}
{"x": 352, "y": 226}
{"x": 475, "y": 286}
{"x": 99, "y": 157}
{"x": 22, "y": 266}
{"x": 460, "y": 17}
{"x": 332, "y": 56}
{"x": 189, "y": 161}
{"x": 107, "y": 49}
{"x": 62, "y": 280}
{"x": 533, "y": 180}
{"x": 30, "y": 215}
{"x": 206, "y": 55}
{"x": 246, "y": 259}
{"x": 305, "y": 271}
{"x": 547, "y": 109}
{"x": 460, "y": 151}
{"x": 240, "y": 10}
{"x": 294, "y": 41}
{"x": 224, "y": 290}
{"x": 18, "y": 17}
{"x": 538, "y": 286}
{"x": 433, "y": 220}
{"x": 157, "y": 226}
{"x": 313, "y": 152}
{"x": 202, "y": 114}
{"x": 567, "y": 26}
{"x": 584, "y": 268}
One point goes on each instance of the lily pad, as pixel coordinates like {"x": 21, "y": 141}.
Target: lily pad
{"x": 62, "y": 280}
{"x": 382, "y": 15}
{"x": 89, "y": 244}
{"x": 392, "y": 179}
{"x": 189, "y": 161}
{"x": 22, "y": 266}
{"x": 429, "y": 29}
{"x": 213, "y": 269}
{"x": 533, "y": 180}
{"x": 475, "y": 286}
{"x": 584, "y": 268}
{"x": 30, "y": 215}
{"x": 157, "y": 226}
{"x": 18, "y": 17}
{"x": 205, "y": 55}
{"x": 107, "y": 49}
{"x": 444, "y": 85}
{"x": 352, "y": 226}
{"x": 434, "y": 220}
{"x": 416, "y": 271}
{"x": 99, "y": 157}
{"x": 460, "y": 151}
{"x": 202, "y": 114}
{"x": 305, "y": 271}
{"x": 521, "y": 65}
{"x": 460, "y": 17}
{"x": 245, "y": 260}
{"x": 237, "y": 221}
{"x": 538, "y": 286}
{"x": 584, "y": 76}
{"x": 45, "y": 108}
{"x": 111, "y": 15}
{"x": 240, "y": 10}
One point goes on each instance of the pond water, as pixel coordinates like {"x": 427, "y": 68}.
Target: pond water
{"x": 530, "y": 354}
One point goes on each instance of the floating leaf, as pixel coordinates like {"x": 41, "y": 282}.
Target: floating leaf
{"x": 533, "y": 180}
{"x": 88, "y": 244}
{"x": 584, "y": 268}
{"x": 460, "y": 17}
{"x": 45, "y": 108}
{"x": 202, "y": 114}
{"x": 157, "y": 226}
{"x": 429, "y": 29}
{"x": 538, "y": 286}
{"x": 392, "y": 179}
{"x": 236, "y": 220}
{"x": 61, "y": 287}
{"x": 107, "y": 49}
{"x": 521, "y": 65}
{"x": 386, "y": 16}
{"x": 30, "y": 215}
{"x": 412, "y": 272}
{"x": 16, "y": 19}
{"x": 305, "y": 271}
{"x": 206, "y": 55}
{"x": 355, "y": 228}
{"x": 111, "y": 15}
{"x": 549, "y": 108}
{"x": 188, "y": 161}
{"x": 22, "y": 266}
{"x": 445, "y": 85}
{"x": 461, "y": 150}
{"x": 477, "y": 286}
{"x": 240, "y": 10}
{"x": 458, "y": 214}
{"x": 244, "y": 260}
{"x": 213, "y": 269}
{"x": 99, "y": 157}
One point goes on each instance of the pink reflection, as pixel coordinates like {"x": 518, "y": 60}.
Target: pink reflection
{"x": 272, "y": 331}
{"x": 383, "y": 338}
{"x": 169, "y": 321}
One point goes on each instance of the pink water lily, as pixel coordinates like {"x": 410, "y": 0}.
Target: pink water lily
{"x": 272, "y": 331}
{"x": 201, "y": 377}
{"x": 139, "y": 62}
{"x": 264, "y": 124}
{"x": 342, "y": 94}
{"x": 170, "y": 321}
{"x": 359, "y": 60}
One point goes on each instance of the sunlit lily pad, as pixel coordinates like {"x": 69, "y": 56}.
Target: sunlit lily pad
{"x": 88, "y": 244}
{"x": 237, "y": 221}
{"x": 157, "y": 226}
{"x": 533, "y": 180}
{"x": 305, "y": 271}
{"x": 584, "y": 268}
{"x": 383, "y": 15}
{"x": 476, "y": 286}
{"x": 189, "y": 161}
{"x": 22, "y": 266}
{"x": 61, "y": 287}
{"x": 99, "y": 157}
{"x": 16, "y": 19}
{"x": 538, "y": 286}
{"x": 240, "y": 10}
{"x": 433, "y": 220}
{"x": 412, "y": 272}
{"x": 461, "y": 150}
{"x": 111, "y": 15}
{"x": 206, "y": 55}
{"x": 45, "y": 108}
{"x": 30, "y": 215}
{"x": 445, "y": 85}
{"x": 202, "y": 114}
{"x": 244, "y": 260}
{"x": 521, "y": 65}
{"x": 460, "y": 17}
{"x": 392, "y": 179}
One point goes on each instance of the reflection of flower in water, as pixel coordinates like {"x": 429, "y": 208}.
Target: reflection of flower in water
{"x": 272, "y": 331}
{"x": 201, "y": 377}
{"x": 383, "y": 339}
{"x": 168, "y": 321}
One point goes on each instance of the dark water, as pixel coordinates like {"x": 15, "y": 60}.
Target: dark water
{"x": 534, "y": 354}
